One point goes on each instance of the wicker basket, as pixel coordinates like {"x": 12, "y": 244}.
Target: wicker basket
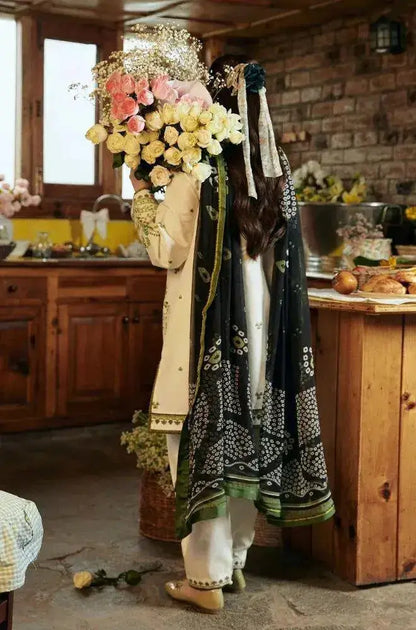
{"x": 157, "y": 516}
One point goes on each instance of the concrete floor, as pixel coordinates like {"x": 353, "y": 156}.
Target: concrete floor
{"x": 86, "y": 489}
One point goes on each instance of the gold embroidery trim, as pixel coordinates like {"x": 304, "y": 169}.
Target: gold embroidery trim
{"x": 143, "y": 214}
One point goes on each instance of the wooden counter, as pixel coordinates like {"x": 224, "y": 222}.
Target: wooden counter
{"x": 365, "y": 358}
{"x": 79, "y": 342}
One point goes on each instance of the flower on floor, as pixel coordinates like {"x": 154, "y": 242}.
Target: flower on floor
{"x": 86, "y": 579}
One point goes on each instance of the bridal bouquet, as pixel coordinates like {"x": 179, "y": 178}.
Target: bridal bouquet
{"x": 156, "y": 115}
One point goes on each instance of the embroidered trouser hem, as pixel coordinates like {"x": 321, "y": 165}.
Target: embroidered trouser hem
{"x": 217, "y": 546}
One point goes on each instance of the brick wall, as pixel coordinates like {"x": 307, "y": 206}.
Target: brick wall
{"x": 358, "y": 107}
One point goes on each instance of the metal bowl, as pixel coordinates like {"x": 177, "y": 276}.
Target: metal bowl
{"x": 320, "y": 222}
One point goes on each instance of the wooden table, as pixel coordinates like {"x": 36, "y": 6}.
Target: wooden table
{"x": 366, "y": 380}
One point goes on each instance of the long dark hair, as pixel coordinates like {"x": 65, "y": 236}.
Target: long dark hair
{"x": 259, "y": 220}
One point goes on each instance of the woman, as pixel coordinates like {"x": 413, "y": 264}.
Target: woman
{"x": 237, "y": 342}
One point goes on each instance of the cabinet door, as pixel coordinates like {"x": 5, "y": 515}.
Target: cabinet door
{"x": 145, "y": 346}
{"x": 92, "y": 351}
{"x": 21, "y": 367}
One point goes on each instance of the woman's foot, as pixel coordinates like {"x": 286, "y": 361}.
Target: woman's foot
{"x": 209, "y": 601}
{"x": 239, "y": 583}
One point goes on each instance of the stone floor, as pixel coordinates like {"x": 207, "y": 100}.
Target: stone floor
{"x": 86, "y": 488}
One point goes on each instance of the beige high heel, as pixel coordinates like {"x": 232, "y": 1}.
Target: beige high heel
{"x": 239, "y": 582}
{"x": 208, "y": 601}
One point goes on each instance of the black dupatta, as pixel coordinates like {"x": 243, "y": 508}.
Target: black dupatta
{"x": 273, "y": 457}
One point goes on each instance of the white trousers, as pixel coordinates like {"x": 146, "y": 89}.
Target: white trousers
{"x": 217, "y": 546}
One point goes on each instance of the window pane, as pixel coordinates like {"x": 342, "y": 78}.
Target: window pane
{"x": 67, "y": 157}
{"x": 8, "y": 100}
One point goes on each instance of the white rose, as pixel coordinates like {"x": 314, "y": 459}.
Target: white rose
{"x": 159, "y": 176}
{"x": 189, "y": 123}
{"x": 173, "y": 156}
{"x": 195, "y": 110}
{"x": 154, "y": 121}
{"x": 132, "y": 161}
{"x": 192, "y": 156}
{"x": 215, "y": 125}
{"x": 171, "y": 135}
{"x": 222, "y": 135}
{"x": 234, "y": 122}
{"x": 186, "y": 141}
{"x": 183, "y": 108}
{"x": 132, "y": 144}
{"x": 201, "y": 171}
{"x": 97, "y": 133}
{"x": 204, "y": 137}
{"x": 217, "y": 110}
{"x": 236, "y": 137}
{"x": 115, "y": 142}
{"x": 214, "y": 148}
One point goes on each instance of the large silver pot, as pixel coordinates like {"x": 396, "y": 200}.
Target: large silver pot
{"x": 320, "y": 222}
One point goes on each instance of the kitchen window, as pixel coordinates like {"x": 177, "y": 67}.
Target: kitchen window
{"x": 8, "y": 102}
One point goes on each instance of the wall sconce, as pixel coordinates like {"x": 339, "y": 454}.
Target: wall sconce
{"x": 388, "y": 36}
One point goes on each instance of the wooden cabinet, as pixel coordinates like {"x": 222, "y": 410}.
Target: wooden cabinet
{"x": 78, "y": 345}
{"x": 145, "y": 345}
{"x": 93, "y": 359}
{"x": 21, "y": 340}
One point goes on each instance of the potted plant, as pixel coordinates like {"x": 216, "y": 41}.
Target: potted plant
{"x": 157, "y": 501}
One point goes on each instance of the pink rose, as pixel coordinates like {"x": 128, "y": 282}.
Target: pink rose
{"x": 162, "y": 89}
{"x": 26, "y": 200}
{"x": 35, "y": 200}
{"x": 136, "y": 124}
{"x": 128, "y": 83}
{"x": 142, "y": 84}
{"x": 125, "y": 108}
{"x": 16, "y": 205}
{"x": 22, "y": 182}
{"x": 6, "y": 186}
{"x": 145, "y": 97}
{"x": 113, "y": 83}
{"x": 195, "y": 90}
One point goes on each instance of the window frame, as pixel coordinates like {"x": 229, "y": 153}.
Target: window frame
{"x": 58, "y": 200}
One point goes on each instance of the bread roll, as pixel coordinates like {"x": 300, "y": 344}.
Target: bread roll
{"x": 384, "y": 285}
{"x": 412, "y": 289}
{"x": 406, "y": 275}
{"x": 371, "y": 283}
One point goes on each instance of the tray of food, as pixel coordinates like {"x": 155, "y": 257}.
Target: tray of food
{"x": 374, "y": 282}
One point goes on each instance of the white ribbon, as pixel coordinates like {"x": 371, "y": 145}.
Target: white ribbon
{"x": 268, "y": 151}
{"x": 92, "y": 221}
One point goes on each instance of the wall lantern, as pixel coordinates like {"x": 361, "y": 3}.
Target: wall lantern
{"x": 388, "y": 36}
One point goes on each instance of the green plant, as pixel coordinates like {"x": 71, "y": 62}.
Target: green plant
{"x": 150, "y": 449}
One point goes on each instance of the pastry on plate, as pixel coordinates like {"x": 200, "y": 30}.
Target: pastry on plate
{"x": 384, "y": 285}
{"x": 406, "y": 275}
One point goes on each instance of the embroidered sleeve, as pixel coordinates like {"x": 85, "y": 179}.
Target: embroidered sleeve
{"x": 143, "y": 214}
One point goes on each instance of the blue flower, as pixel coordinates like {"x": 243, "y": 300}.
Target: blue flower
{"x": 255, "y": 77}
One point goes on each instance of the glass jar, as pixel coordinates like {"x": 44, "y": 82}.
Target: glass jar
{"x": 42, "y": 248}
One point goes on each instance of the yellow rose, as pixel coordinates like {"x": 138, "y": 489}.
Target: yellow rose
{"x": 153, "y": 135}
{"x": 117, "y": 126}
{"x": 157, "y": 147}
{"x": 186, "y": 141}
{"x": 187, "y": 168}
{"x": 195, "y": 110}
{"x": 183, "y": 109}
{"x": 171, "y": 135}
{"x": 147, "y": 155}
{"x": 159, "y": 176}
{"x": 154, "y": 121}
{"x": 189, "y": 123}
{"x": 204, "y": 137}
{"x": 132, "y": 144}
{"x": 170, "y": 114}
{"x": 132, "y": 161}
{"x": 214, "y": 148}
{"x": 173, "y": 156}
{"x": 236, "y": 137}
{"x": 115, "y": 142}
{"x": 201, "y": 171}
{"x": 83, "y": 579}
{"x": 146, "y": 136}
{"x": 205, "y": 117}
{"x": 192, "y": 156}
{"x": 97, "y": 133}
